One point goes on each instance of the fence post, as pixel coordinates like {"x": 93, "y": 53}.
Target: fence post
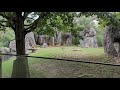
{"x": 0, "y": 65}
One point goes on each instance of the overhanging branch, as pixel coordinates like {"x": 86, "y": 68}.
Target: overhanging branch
{"x": 34, "y": 24}
{"x": 26, "y": 14}
{"x": 4, "y": 25}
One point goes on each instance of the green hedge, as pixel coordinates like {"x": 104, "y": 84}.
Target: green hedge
{"x": 100, "y": 40}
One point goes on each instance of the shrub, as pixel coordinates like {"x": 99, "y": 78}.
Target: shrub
{"x": 6, "y": 37}
{"x": 100, "y": 40}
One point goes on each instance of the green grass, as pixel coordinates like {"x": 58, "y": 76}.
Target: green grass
{"x": 7, "y": 68}
{"x": 41, "y": 68}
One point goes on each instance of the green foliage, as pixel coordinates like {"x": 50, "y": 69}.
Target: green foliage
{"x": 84, "y": 22}
{"x": 6, "y": 37}
{"x": 76, "y": 40}
{"x": 100, "y": 40}
{"x": 100, "y": 32}
{"x": 60, "y": 20}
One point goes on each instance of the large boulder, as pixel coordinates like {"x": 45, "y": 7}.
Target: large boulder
{"x": 46, "y": 39}
{"x": 67, "y": 38}
{"x": 44, "y": 45}
{"x": 89, "y": 38}
{"x": 112, "y": 41}
{"x": 30, "y": 38}
{"x": 51, "y": 41}
{"x": 58, "y": 37}
{"x": 12, "y": 46}
{"x": 42, "y": 39}
{"x": 29, "y": 42}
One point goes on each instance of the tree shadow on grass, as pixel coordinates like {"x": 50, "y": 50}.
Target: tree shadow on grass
{"x": 20, "y": 68}
{"x": 0, "y": 67}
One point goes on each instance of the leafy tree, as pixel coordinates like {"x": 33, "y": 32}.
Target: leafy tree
{"x": 6, "y": 37}
{"x": 84, "y": 22}
{"x": 61, "y": 21}
{"x": 24, "y": 22}
{"x": 16, "y": 21}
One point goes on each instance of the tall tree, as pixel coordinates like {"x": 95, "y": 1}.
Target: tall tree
{"x": 22, "y": 24}
{"x": 16, "y": 21}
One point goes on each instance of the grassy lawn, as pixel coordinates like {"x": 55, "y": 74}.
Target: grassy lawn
{"x": 41, "y": 68}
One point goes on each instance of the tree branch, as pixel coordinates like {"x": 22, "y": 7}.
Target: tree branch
{"x": 4, "y": 25}
{"x": 2, "y": 21}
{"x": 4, "y": 15}
{"x": 34, "y": 24}
{"x": 26, "y": 14}
{"x": 9, "y": 18}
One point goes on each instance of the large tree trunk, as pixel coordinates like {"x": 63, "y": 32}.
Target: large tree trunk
{"x": 20, "y": 65}
{"x": 20, "y": 34}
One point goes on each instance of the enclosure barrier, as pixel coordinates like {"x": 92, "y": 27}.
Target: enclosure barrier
{"x": 69, "y": 60}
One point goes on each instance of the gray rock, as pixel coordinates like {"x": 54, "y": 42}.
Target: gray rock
{"x": 67, "y": 38}
{"x": 12, "y": 46}
{"x": 29, "y": 42}
{"x": 51, "y": 41}
{"x": 30, "y": 38}
{"x": 89, "y": 38}
{"x": 111, "y": 47}
{"x": 58, "y": 37}
{"x": 44, "y": 45}
{"x": 42, "y": 39}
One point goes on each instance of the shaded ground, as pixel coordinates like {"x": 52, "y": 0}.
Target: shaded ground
{"x": 62, "y": 69}
{"x": 43, "y": 68}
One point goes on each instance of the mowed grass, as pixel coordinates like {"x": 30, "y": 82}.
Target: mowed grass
{"x": 44, "y": 68}
{"x": 73, "y": 52}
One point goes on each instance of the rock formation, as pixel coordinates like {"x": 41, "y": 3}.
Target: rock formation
{"x": 89, "y": 38}
{"x": 29, "y": 42}
{"x": 67, "y": 39}
{"x": 58, "y": 37}
{"x": 112, "y": 41}
{"x": 30, "y": 38}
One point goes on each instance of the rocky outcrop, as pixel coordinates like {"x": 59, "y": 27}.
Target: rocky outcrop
{"x": 112, "y": 41}
{"x": 30, "y": 38}
{"x": 88, "y": 38}
{"x": 67, "y": 38}
{"x": 58, "y": 38}
{"x": 29, "y": 42}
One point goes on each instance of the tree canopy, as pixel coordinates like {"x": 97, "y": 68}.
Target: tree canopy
{"x": 44, "y": 22}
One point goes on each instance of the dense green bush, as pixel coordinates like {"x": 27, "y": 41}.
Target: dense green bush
{"x": 6, "y": 37}
{"x": 100, "y": 40}
{"x": 76, "y": 40}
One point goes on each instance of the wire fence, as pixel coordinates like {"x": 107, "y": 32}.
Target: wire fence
{"x": 69, "y": 60}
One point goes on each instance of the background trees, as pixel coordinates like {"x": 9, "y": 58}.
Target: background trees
{"x": 44, "y": 22}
